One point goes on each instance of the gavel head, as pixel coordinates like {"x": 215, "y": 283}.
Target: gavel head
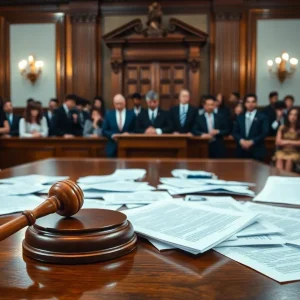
{"x": 70, "y": 196}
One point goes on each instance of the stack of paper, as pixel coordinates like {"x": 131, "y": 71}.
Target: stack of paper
{"x": 193, "y": 228}
{"x": 183, "y": 173}
{"x": 118, "y": 175}
{"x": 280, "y": 190}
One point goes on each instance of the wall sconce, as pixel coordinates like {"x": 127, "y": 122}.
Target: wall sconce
{"x": 281, "y": 71}
{"x": 31, "y": 69}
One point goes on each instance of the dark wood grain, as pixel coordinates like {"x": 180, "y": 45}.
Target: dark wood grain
{"x": 145, "y": 273}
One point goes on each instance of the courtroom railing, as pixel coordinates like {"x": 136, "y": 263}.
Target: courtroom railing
{"x": 15, "y": 151}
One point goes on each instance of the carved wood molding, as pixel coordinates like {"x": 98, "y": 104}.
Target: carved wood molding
{"x": 84, "y": 18}
{"x": 194, "y": 64}
{"x": 116, "y": 65}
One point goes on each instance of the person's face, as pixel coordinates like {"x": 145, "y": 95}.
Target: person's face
{"x": 79, "y": 107}
{"x": 34, "y": 113}
{"x": 232, "y": 98}
{"x": 289, "y": 103}
{"x": 250, "y": 104}
{"x": 8, "y": 108}
{"x": 219, "y": 99}
{"x": 293, "y": 116}
{"x": 119, "y": 103}
{"x": 238, "y": 109}
{"x": 184, "y": 97}
{"x": 70, "y": 103}
{"x": 88, "y": 107}
{"x": 153, "y": 104}
{"x": 52, "y": 105}
{"x": 95, "y": 115}
{"x": 273, "y": 99}
{"x": 97, "y": 103}
{"x": 136, "y": 102}
{"x": 209, "y": 106}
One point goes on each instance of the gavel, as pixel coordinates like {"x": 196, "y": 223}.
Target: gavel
{"x": 64, "y": 197}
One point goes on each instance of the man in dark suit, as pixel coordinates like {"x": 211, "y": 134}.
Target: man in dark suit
{"x": 153, "y": 120}
{"x": 52, "y": 106}
{"x": 137, "y": 103}
{"x": 213, "y": 127}
{"x": 64, "y": 120}
{"x": 79, "y": 115}
{"x": 269, "y": 110}
{"x": 117, "y": 121}
{"x": 12, "y": 119}
{"x": 183, "y": 116}
{"x": 250, "y": 131}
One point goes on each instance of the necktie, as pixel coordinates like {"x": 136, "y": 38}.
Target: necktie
{"x": 152, "y": 118}
{"x": 120, "y": 123}
{"x": 248, "y": 124}
{"x": 210, "y": 126}
{"x": 182, "y": 116}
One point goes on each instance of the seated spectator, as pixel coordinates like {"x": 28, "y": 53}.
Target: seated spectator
{"x": 117, "y": 121}
{"x": 64, "y": 119}
{"x": 11, "y": 118}
{"x": 34, "y": 124}
{"x": 269, "y": 110}
{"x": 250, "y": 131}
{"x": 183, "y": 115}
{"x": 289, "y": 101}
{"x": 93, "y": 126}
{"x": 288, "y": 141}
{"x": 153, "y": 120}
{"x": 137, "y": 103}
{"x": 4, "y": 124}
{"x": 213, "y": 127}
{"x": 79, "y": 116}
{"x": 52, "y": 106}
{"x": 279, "y": 109}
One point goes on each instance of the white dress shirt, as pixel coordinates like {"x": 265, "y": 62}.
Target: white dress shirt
{"x": 249, "y": 116}
{"x": 66, "y": 109}
{"x": 10, "y": 118}
{"x": 210, "y": 121}
{"x": 137, "y": 110}
{"x": 49, "y": 114}
{"x": 183, "y": 107}
{"x": 26, "y": 129}
{"x": 150, "y": 114}
{"x": 123, "y": 116}
{"x": 276, "y": 123}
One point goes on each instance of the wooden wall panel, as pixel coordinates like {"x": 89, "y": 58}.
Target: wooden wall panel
{"x": 226, "y": 71}
{"x": 85, "y": 56}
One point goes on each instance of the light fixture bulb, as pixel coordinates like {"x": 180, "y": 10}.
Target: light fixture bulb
{"x": 285, "y": 56}
{"x": 294, "y": 61}
{"x": 22, "y": 64}
{"x": 270, "y": 63}
{"x": 278, "y": 60}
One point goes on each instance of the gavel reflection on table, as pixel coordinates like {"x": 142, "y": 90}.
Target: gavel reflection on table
{"x": 92, "y": 235}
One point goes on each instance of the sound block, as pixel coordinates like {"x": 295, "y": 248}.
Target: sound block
{"x": 90, "y": 236}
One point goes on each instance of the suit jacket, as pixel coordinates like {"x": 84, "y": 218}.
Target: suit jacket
{"x": 83, "y": 116}
{"x": 161, "y": 121}
{"x": 110, "y": 127}
{"x": 49, "y": 123}
{"x": 270, "y": 113}
{"x": 258, "y": 131}
{"x": 62, "y": 123}
{"x": 14, "y": 125}
{"x": 192, "y": 113}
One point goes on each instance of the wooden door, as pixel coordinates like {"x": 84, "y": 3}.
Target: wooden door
{"x": 165, "y": 78}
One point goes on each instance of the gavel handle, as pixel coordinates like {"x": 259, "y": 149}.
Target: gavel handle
{"x": 28, "y": 218}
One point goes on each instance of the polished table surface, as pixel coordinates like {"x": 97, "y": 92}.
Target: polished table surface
{"x": 145, "y": 273}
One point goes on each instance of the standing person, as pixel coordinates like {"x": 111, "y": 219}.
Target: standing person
{"x": 99, "y": 103}
{"x": 34, "y": 124}
{"x": 93, "y": 126}
{"x": 279, "y": 109}
{"x": 79, "y": 116}
{"x": 288, "y": 141}
{"x": 11, "y": 118}
{"x": 213, "y": 127}
{"x": 137, "y": 103}
{"x": 4, "y": 124}
{"x": 289, "y": 102}
{"x": 250, "y": 131}
{"x": 117, "y": 121}
{"x": 221, "y": 108}
{"x": 269, "y": 110}
{"x": 64, "y": 120}
{"x": 153, "y": 120}
{"x": 238, "y": 110}
{"x": 234, "y": 99}
{"x": 183, "y": 115}
{"x": 52, "y": 106}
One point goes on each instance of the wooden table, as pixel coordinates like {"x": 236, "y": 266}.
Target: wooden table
{"x": 145, "y": 273}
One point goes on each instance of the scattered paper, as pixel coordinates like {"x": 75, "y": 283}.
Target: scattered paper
{"x": 188, "y": 227}
{"x": 99, "y": 204}
{"x": 19, "y": 189}
{"x": 183, "y": 173}
{"x": 280, "y": 190}
{"x": 14, "y": 204}
{"x": 33, "y": 179}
